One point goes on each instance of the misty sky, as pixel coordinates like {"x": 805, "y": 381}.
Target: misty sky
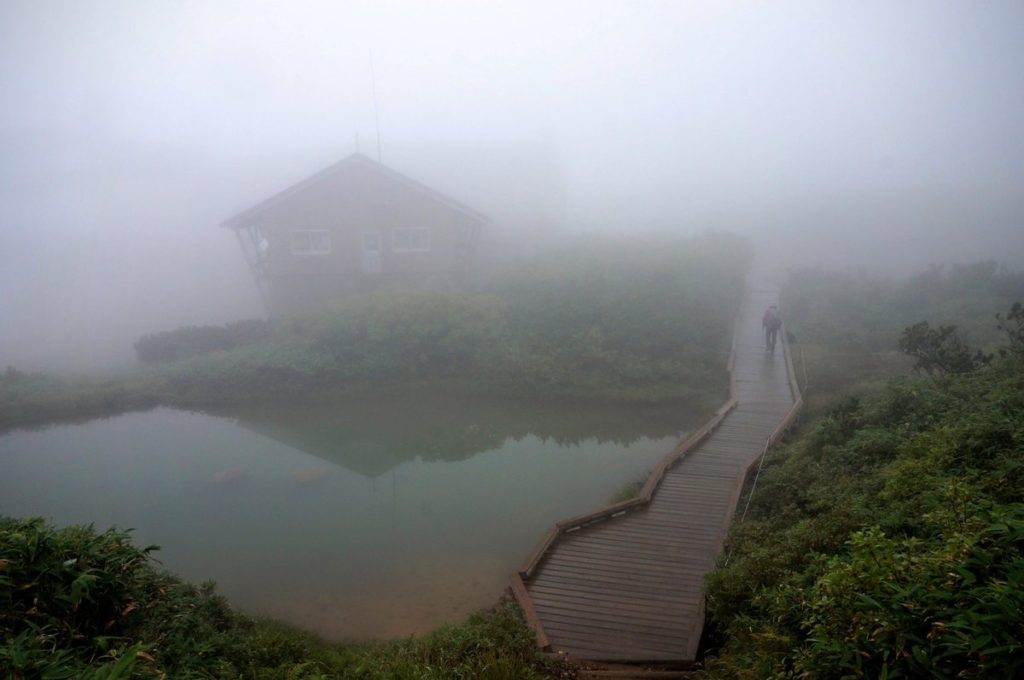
{"x": 847, "y": 134}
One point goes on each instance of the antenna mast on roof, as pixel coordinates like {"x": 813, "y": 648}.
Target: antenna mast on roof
{"x": 376, "y": 117}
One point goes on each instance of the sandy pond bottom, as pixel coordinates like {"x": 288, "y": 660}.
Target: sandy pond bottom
{"x": 357, "y": 521}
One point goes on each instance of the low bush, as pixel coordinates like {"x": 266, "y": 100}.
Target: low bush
{"x": 192, "y": 341}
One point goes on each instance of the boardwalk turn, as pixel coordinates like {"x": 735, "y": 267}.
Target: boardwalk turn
{"x": 625, "y": 584}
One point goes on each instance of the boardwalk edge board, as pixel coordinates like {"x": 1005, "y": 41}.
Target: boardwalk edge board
{"x": 526, "y": 604}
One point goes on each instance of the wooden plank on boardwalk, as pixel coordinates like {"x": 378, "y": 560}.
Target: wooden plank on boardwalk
{"x": 568, "y": 633}
{"x": 622, "y": 641}
{"x": 584, "y": 583}
{"x": 624, "y": 610}
{"x": 614, "y": 575}
{"x": 681, "y": 569}
{"x": 661, "y": 532}
{"x": 682, "y": 490}
{"x": 595, "y": 549}
{"x": 629, "y": 541}
{"x": 561, "y": 562}
{"x": 709, "y": 459}
{"x": 606, "y": 548}
{"x": 611, "y": 623}
{"x": 623, "y": 659}
{"x": 595, "y": 593}
{"x": 625, "y": 556}
{"x": 689, "y": 500}
{"x": 612, "y": 583}
{"x": 547, "y": 595}
{"x": 677, "y": 616}
{"x": 669, "y": 549}
{"x": 687, "y": 478}
{"x": 647, "y": 561}
{"x": 605, "y": 598}
{"x": 634, "y": 674}
{"x": 741, "y": 438}
{"x": 622, "y": 644}
{"x": 621, "y": 534}
{"x": 614, "y": 648}
{"x": 600, "y": 585}
{"x": 692, "y": 520}
{"x": 696, "y": 485}
{"x": 649, "y": 632}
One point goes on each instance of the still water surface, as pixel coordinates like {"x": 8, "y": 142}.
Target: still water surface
{"x": 359, "y": 521}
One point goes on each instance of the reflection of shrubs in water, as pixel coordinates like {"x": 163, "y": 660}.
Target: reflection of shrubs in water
{"x": 35, "y": 399}
{"x": 373, "y": 435}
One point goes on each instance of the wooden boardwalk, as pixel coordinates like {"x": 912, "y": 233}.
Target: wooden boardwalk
{"x": 625, "y": 584}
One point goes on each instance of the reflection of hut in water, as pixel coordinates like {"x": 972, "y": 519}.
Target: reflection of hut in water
{"x": 333, "y": 443}
{"x": 372, "y": 437}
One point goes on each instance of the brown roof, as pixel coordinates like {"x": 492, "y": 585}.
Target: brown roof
{"x": 357, "y": 158}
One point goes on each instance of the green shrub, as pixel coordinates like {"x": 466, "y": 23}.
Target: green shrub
{"x": 66, "y": 600}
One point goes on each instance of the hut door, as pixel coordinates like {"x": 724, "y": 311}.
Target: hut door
{"x": 371, "y": 252}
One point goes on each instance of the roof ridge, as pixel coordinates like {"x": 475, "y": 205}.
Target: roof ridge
{"x": 330, "y": 170}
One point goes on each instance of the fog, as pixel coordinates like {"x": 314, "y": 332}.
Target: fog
{"x": 878, "y": 135}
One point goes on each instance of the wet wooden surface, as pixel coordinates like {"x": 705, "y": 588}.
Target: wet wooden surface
{"x": 629, "y": 588}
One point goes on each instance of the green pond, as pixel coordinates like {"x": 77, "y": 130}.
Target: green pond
{"x": 360, "y": 521}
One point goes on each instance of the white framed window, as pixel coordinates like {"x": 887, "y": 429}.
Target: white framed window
{"x": 410, "y": 240}
{"x": 371, "y": 242}
{"x": 311, "y": 242}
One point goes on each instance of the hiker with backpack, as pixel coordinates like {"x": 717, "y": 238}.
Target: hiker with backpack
{"x": 771, "y": 322}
